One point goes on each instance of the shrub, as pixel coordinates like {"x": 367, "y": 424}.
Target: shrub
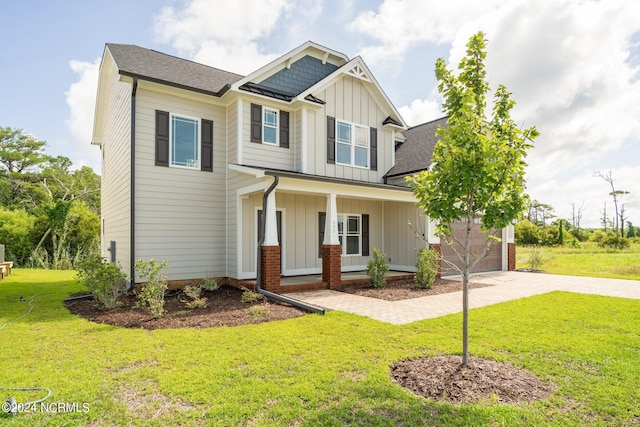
{"x": 535, "y": 259}
{"x": 614, "y": 242}
{"x": 259, "y": 310}
{"x": 105, "y": 280}
{"x": 526, "y": 233}
{"x": 151, "y": 296}
{"x": 196, "y": 303}
{"x": 377, "y": 268}
{"x": 192, "y": 292}
{"x": 210, "y": 284}
{"x": 427, "y": 268}
{"x": 250, "y": 296}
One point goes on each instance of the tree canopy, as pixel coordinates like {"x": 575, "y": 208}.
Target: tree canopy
{"x": 478, "y": 165}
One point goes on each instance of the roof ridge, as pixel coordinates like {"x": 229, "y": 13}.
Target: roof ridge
{"x": 429, "y": 122}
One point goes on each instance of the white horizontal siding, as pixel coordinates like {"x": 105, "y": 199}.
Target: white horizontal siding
{"x": 116, "y": 165}
{"x": 180, "y": 213}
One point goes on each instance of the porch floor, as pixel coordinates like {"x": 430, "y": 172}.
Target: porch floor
{"x": 314, "y": 281}
{"x": 347, "y": 278}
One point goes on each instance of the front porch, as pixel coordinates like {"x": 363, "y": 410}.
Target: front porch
{"x": 314, "y": 282}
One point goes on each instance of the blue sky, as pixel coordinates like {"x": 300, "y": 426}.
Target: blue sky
{"x": 573, "y": 67}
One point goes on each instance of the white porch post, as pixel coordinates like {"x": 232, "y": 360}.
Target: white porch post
{"x": 432, "y": 237}
{"x": 271, "y": 226}
{"x": 331, "y": 221}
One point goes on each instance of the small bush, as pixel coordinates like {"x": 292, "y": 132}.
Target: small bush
{"x": 259, "y": 310}
{"x": 192, "y": 292}
{"x": 614, "y": 242}
{"x": 377, "y": 268}
{"x": 250, "y": 296}
{"x": 151, "y": 296}
{"x": 210, "y": 284}
{"x": 427, "y": 268}
{"x": 105, "y": 280}
{"x": 535, "y": 260}
{"x": 196, "y": 303}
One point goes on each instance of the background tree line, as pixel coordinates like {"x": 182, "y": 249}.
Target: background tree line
{"x": 539, "y": 225}
{"x": 49, "y": 212}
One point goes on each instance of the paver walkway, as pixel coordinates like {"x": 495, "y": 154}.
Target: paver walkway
{"x": 507, "y": 286}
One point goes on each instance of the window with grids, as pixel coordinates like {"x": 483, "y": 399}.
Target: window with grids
{"x": 352, "y": 144}
{"x": 270, "y": 126}
{"x": 185, "y": 142}
{"x": 349, "y": 233}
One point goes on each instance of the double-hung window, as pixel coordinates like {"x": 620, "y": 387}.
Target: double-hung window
{"x": 269, "y": 126}
{"x": 185, "y": 142}
{"x": 349, "y": 234}
{"x": 352, "y": 144}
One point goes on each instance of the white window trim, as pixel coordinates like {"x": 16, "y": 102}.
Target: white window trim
{"x": 352, "y": 144}
{"x": 198, "y": 142}
{"x": 277, "y": 127}
{"x": 344, "y": 235}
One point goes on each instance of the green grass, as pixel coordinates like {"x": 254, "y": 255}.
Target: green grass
{"x": 586, "y": 260}
{"x": 313, "y": 370}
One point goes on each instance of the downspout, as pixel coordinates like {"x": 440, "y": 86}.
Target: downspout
{"x": 268, "y": 294}
{"x": 132, "y": 239}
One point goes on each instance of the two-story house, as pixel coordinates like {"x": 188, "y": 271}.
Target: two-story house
{"x": 192, "y": 156}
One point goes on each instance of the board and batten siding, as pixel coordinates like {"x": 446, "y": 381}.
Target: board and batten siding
{"x": 403, "y": 223}
{"x": 347, "y": 99}
{"x": 180, "y": 213}
{"x": 116, "y": 166}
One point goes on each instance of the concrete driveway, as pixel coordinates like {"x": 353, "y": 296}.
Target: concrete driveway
{"x": 507, "y": 286}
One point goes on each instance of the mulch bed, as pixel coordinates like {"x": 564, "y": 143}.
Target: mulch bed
{"x": 481, "y": 381}
{"x": 404, "y": 289}
{"x": 224, "y": 308}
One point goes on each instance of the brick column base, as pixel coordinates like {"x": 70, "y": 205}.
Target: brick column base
{"x": 436, "y": 247}
{"x": 271, "y": 268}
{"x": 332, "y": 265}
{"x": 511, "y": 256}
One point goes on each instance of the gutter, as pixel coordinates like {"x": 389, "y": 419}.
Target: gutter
{"x": 268, "y": 294}
{"x": 132, "y": 219}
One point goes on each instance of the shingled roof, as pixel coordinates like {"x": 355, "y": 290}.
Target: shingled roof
{"x": 414, "y": 154}
{"x": 136, "y": 61}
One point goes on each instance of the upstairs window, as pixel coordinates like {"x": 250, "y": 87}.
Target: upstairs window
{"x": 269, "y": 126}
{"x": 352, "y": 144}
{"x": 185, "y": 142}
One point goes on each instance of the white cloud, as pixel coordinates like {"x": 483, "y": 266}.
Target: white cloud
{"x": 223, "y": 33}
{"x": 81, "y": 99}
{"x": 573, "y": 67}
{"x": 421, "y": 111}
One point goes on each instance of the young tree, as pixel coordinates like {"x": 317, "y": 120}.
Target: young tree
{"x": 478, "y": 165}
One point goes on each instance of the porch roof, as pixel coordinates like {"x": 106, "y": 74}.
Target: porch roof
{"x": 299, "y": 181}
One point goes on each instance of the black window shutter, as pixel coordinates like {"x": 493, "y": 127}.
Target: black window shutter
{"x": 206, "y": 144}
{"x": 322, "y": 217}
{"x": 256, "y": 123}
{"x": 365, "y": 234}
{"x": 162, "y": 138}
{"x": 373, "y": 148}
{"x": 284, "y": 129}
{"x": 331, "y": 140}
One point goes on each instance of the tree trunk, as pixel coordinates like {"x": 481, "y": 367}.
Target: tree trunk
{"x": 465, "y": 293}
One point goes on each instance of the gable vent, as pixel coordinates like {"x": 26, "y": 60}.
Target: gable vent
{"x": 358, "y": 72}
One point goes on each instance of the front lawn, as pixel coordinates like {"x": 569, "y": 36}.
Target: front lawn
{"x": 586, "y": 260}
{"x": 311, "y": 370}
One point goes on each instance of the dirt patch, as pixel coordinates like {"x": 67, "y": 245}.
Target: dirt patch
{"x": 404, "y": 289}
{"x": 481, "y": 381}
{"x": 224, "y": 308}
